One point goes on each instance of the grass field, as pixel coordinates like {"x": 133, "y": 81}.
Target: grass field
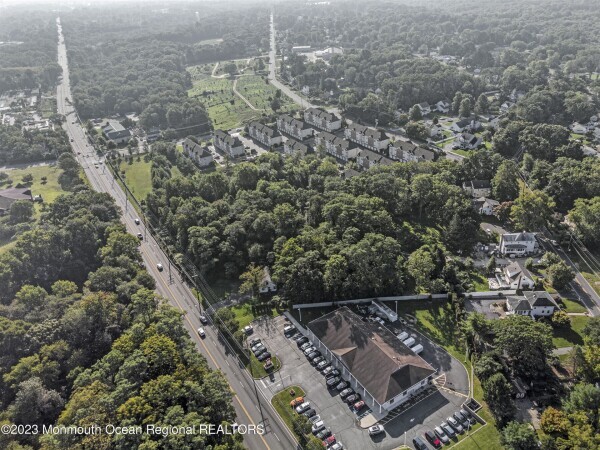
{"x": 573, "y": 306}
{"x": 49, "y": 190}
{"x": 48, "y": 107}
{"x": 281, "y": 403}
{"x": 138, "y": 178}
{"x": 568, "y": 337}
{"x": 258, "y": 371}
{"x": 225, "y": 108}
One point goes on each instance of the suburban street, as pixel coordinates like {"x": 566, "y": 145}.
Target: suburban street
{"x": 170, "y": 285}
{"x": 273, "y": 70}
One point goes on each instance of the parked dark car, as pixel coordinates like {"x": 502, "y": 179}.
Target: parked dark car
{"x": 323, "y": 364}
{"x": 346, "y": 392}
{"x": 253, "y": 342}
{"x": 352, "y": 398}
{"x": 264, "y": 356}
{"x": 305, "y": 346}
{"x": 468, "y": 416}
{"x": 311, "y": 412}
{"x": 448, "y": 430}
{"x": 342, "y": 385}
{"x": 419, "y": 444}
{"x": 332, "y": 374}
{"x": 326, "y": 432}
{"x": 301, "y": 341}
{"x": 464, "y": 421}
{"x": 312, "y": 355}
{"x": 433, "y": 439}
{"x": 332, "y": 382}
{"x": 317, "y": 360}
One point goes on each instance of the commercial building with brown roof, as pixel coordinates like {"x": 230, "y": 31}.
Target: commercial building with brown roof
{"x": 376, "y": 363}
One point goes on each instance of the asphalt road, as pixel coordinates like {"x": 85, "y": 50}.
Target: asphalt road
{"x": 272, "y": 74}
{"x": 172, "y": 287}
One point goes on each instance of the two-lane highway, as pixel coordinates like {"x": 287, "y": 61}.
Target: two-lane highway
{"x": 170, "y": 285}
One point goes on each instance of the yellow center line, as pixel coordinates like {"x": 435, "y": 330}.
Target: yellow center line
{"x": 212, "y": 358}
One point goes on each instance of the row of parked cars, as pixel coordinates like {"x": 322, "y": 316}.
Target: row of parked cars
{"x": 259, "y": 349}
{"x": 319, "y": 429}
{"x": 454, "y": 425}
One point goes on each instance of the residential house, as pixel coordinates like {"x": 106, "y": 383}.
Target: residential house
{"x": 293, "y": 147}
{"x": 200, "y": 154}
{"x": 228, "y": 144}
{"x": 368, "y": 158}
{"x": 494, "y": 122}
{"x": 267, "y": 136}
{"x": 462, "y": 125}
{"x": 531, "y": 303}
{"x": 506, "y": 106}
{"x": 485, "y": 206}
{"x": 370, "y": 138}
{"x": 153, "y": 134}
{"x": 266, "y": 284}
{"x": 515, "y": 276}
{"x": 335, "y": 146}
{"x": 115, "y": 132}
{"x": 407, "y": 151}
{"x": 516, "y": 95}
{"x": 468, "y": 141}
{"x": 478, "y": 188}
{"x": 298, "y": 129}
{"x": 518, "y": 244}
{"x": 329, "y": 52}
{"x": 322, "y": 119}
{"x": 425, "y": 108}
{"x": 442, "y": 107}
{"x": 435, "y": 130}
{"x": 11, "y": 195}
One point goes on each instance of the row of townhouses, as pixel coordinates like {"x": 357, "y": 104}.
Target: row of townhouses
{"x": 200, "y": 154}
{"x": 297, "y": 129}
{"x": 264, "y": 134}
{"x": 228, "y": 144}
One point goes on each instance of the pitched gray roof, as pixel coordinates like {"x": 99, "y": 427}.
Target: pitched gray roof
{"x": 379, "y": 361}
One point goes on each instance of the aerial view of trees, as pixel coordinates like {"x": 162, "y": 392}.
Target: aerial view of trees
{"x": 86, "y": 339}
{"x": 18, "y": 146}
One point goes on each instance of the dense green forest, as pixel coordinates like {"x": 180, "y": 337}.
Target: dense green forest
{"x": 135, "y": 61}
{"x": 28, "y": 49}
{"x": 20, "y": 146}
{"x": 86, "y": 340}
{"x": 390, "y": 51}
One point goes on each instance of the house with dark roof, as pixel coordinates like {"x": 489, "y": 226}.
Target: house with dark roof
{"x": 293, "y": 147}
{"x": 226, "y": 143}
{"x": 519, "y": 244}
{"x": 516, "y": 276}
{"x": 266, "y": 283}
{"x": 339, "y": 148}
{"x": 200, "y": 154}
{"x": 11, "y": 195}
{"x": 267, "y": 136}
{"x": 531, "y": 303}
{"x": 376, "y": 363}
{"x": 442, "y": 106}
{"x": 466, "y": 125}
{"x": 478, "y": 188}
{"x": 368, "y": 158}
{"x": 322, "y": 119}
{"x": 407, "y": 151}
{"x": 485, "y": 206}
{"x": 297, "y": 129}
{"x": 424, "y": 107}
{"x": 116, "y": 132}
{"x": 468, "y": 141}
{"x": 370, "y": 138}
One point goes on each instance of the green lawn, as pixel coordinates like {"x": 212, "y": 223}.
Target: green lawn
{"x": 48, "y": 107}
{"x": 567, "y": 337}
{"x": 257, "y": 370}
{"x": 462, "y": 152}
{"x": 573, "y": 306}
{"x": 281, "y": 403}
{"x": 480, "y": 283}
{"x": 138, "y": 178}
{"x": 49, "y": 190}
{"x": 225, "y": 108}
{"x": 244, "y": 315}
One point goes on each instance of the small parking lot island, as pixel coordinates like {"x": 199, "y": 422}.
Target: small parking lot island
{"x": 378, "y": 365}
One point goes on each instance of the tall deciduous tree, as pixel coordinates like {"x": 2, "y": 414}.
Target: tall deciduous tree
{"x": 505, "y": 184}
{"x": 532, "y": 210}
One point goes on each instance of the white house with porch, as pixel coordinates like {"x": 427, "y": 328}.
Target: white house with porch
{"x": 532, "y": 303}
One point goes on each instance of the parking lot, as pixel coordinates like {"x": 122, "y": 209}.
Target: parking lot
{"x": 428, "y": 412}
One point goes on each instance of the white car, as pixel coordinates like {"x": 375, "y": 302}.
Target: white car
{"x": 337, "y": 446}
{"x": 248, "y": 329}
{"x": 303, "y": 407}
{"x": 201, "y": 332}
{"x": 375, "y": 430}
{"x": 137, "y": 221}
{"x": 317, "y": 425}
{"x": 314, "y": 419}
{"x": 160, "y": 267}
